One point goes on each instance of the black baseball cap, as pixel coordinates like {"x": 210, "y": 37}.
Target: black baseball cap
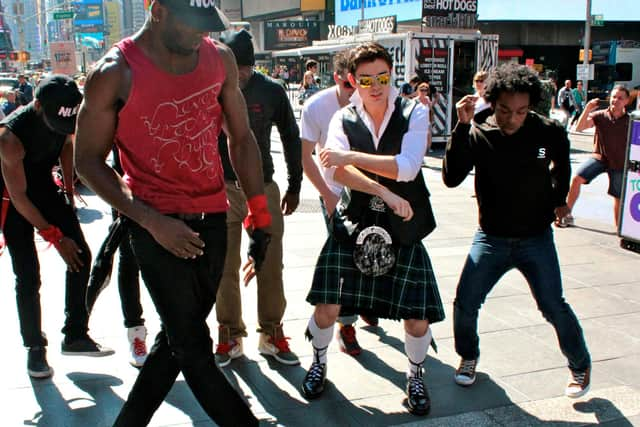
{"x": 241, "y": 45}
{"x": 60, "y": 99}
{"x": 203, "y": 15}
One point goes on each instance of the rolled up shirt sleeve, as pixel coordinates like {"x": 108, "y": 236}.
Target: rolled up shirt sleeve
{"x": 414, "y": 145}
{"x": 336, "y": 140}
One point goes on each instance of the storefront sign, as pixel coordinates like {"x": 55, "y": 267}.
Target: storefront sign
{"x": 63, "y": 58}
{"x": 337, "y": 31}
{"x": 383, "y": 25}
{"x": 450, "y": 13}
{"x": 280, "y": 35}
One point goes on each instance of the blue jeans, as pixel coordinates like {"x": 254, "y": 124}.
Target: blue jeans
{"x": 489, "y": 259}
{"x": 183, "y": 292}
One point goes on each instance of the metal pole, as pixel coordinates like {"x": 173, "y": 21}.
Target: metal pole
{"x": 362, "y": 9}
{"x": 587, "y": 45}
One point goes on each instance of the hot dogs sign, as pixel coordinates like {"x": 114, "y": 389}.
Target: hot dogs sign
{"x": 450, "y": 13}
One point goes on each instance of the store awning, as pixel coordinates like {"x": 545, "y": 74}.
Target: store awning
{"x": 510, "y": 53}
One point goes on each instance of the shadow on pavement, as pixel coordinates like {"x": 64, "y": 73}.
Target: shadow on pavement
{"x": 97, "y": 411}
{"x": 87, "y": 215}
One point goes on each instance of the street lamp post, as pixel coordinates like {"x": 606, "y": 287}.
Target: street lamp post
{"x": 587, "y": 44}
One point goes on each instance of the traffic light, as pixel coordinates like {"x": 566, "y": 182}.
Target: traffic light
{"x": 24, "y": 56}
{"x": 581, "y": 56}
{"x": 13, "y": 56}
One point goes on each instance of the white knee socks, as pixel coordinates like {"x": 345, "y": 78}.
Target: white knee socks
{"x": 416, "y": 350}
{"x": 320, "y": 339}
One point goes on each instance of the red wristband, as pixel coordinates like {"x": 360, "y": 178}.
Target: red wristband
{"x": 53, "y": 235}
{"x": 258, "y": 216}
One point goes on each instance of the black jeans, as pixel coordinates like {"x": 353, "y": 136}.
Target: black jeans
{"x": 19, "y": 235}
{"x": 129, "y": 283}
{"x": 183, "y": 292}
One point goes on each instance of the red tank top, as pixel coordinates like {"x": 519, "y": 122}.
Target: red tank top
{"x": 167, "y": 133}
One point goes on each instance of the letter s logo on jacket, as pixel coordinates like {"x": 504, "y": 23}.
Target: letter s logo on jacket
{"x": 542, "y": 153}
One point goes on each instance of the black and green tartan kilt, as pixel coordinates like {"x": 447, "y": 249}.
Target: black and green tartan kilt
{"x": 408, "y": 291}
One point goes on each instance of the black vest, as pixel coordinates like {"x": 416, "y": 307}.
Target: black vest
{"x": 415, "y": 191}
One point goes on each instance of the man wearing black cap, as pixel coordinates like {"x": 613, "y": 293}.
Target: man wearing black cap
{"x": 32, "y": 140}
{"x": 163, "y": 96}
{"x": 267, "y": 103}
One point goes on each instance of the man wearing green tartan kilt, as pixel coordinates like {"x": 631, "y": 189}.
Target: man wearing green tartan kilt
{"x": 374, "y": 261}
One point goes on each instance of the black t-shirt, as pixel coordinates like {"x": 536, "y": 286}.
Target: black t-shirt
{"x": 42, "y": 146}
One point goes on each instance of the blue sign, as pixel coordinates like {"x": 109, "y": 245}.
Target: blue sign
{"x": 349, "y": 12}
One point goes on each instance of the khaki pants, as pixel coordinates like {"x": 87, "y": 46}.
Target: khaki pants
{"x": 271, "y": 301}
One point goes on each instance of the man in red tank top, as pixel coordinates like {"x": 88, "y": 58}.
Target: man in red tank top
{"x": 162, "y": 96}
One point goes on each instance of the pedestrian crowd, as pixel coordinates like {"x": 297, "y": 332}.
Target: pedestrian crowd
{"x": 188, "y": 121}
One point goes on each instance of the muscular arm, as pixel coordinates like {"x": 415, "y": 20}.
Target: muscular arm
{"x": 585, "y": 121}
{"x": 95, "y": 134}
{"x": 11, "y": 155}
{"x": 243, "y": 149}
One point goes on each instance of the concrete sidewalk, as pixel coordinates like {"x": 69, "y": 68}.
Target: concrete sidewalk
{"x": 522, "y": 373}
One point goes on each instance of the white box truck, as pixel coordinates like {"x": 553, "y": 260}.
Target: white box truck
{"x": 448, "y": 60}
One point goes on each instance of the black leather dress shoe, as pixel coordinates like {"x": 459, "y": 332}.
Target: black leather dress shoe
{"x": 313, "y": 383}
{"x": 418, "y": 400}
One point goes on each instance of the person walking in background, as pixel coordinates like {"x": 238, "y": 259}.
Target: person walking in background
{"x": 521, "y": 162}
{"x": 33, "y": 140}
{"x": 609, "y": 150}
{"x": 375, "y": 148}
{"x": 308, "y": 87}
{"x": 566, "y": 101}
{"x": 479, "y": 87}
{"x": 267, "y": 105}
{"x": 424, "y": 97}
{"x": 9, "y": 104}
{"x": 163, "y": 97}
{"x": 25, "y": 90}
{"x": 580, "y": 97}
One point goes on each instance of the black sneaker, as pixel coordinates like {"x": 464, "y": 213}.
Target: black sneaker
{"x": 466, "y": 373}
{"x": 85, "y": 346}
{"x": 313, "y": 383}
{"x": 37, "y": 365}
{"x": 418, "y": 400}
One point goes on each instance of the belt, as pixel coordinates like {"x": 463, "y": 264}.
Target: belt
{"x": 199, "y": 216}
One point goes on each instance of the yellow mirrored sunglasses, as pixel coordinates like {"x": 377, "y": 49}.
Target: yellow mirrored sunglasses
{"x": 367, "y": 81}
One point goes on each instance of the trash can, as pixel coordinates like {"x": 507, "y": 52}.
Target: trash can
{"x": 629, "y": 224}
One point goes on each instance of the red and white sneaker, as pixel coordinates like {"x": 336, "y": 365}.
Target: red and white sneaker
{"x": 278, "y": 347}
{"x": 137, "y": 345}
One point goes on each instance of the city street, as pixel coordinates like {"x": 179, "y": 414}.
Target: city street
{"x": 522, "y": 373}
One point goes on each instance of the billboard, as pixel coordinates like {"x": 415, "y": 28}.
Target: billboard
{"x": 63, "y": 58}
{"x": 89, "y": 16}
{"x": 349, "y": 11}
{"x": 630, "y": 216}
{"x": 280, "y": 35}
